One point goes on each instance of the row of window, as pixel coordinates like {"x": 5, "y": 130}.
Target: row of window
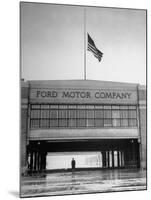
{"x": 44, "y": 123}
{"x": 73, "y": 114}
{"x": 47, "y": 116}
{"x": 108, "y": 107}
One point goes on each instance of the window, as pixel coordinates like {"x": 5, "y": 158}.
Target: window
{"x": 99, "y": 114}
{"x": 99, "y": 122}
{"x": 53, "y": 116}
{"x": 132, "y": 116}
{"x": 116, "y": 117}
{"x": 35, "y": 114}
{"x": 107, "y": 114}
{"x": 107, "y": 122}
{"x": 72, "y": 116}
{"x": 62, "y": 116}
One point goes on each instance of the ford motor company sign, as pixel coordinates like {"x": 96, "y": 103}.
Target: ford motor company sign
{"x": 82, "y": 95}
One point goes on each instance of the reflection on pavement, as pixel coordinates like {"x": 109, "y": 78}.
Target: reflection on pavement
{"x": 83, "y": 182}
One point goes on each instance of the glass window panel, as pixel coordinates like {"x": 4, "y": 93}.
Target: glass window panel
{"x": 132, "y": 113}
{"x": 53, "y": 123}
{"x": 72, "y": 122}
{"x": 54, "y": 106}
{"x": 89, "y": 107}
{"x": 116, "y": 107}
{"x": 99, "y": 113}
{"x": 53, "y": 114}
{"x": 132, "y": 122}
{"x": 72, "y": 113}
{"x": 116, "y": 122}
{"x": 44, "y": 113}
{"x": 36, "y": 106}
{"x": 81, "y": 122}
{"x": 90, "y": 122}
{"x": 124, "y": 122}
{"x": 62, "y": 106}
{"x": 35, "y": 113}
{"x": 81, "y": 114}
{"x": 72, "y": 106}
{"x": 107, "y": 107}
{"x": 99, "y": 122}
{"x": 107, "y": 122}
{"x": 132, "y": 107}
{"x": 98, "y": 107}
{"x": 45, "y": 106}
{"x": 62, "y": 122}
{"x": 44, "y": 123}
{"x": 62, "y": 113}
{"x": 115, "y": 113}
{"x": 34, "y": 123}
{"x": 124, "y": 114}
{"x": 107, "y": 113}
{"x": 81, "y": 106}
{"x": 124, "y": 107}
{"x": 90, "y": 113}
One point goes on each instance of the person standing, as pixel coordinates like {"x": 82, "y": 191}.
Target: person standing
{"x": 73, "y": 164}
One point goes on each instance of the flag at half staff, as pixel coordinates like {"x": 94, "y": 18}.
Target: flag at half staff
{"x": 91, "y": 47}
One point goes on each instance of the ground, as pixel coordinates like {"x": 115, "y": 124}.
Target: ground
{"x": 90, "y": 181}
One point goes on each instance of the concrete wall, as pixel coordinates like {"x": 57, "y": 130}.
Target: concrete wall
{"x": 24, "y": 126}
{"x": 83, "y": 133}
{"x": 82, "y": 92}
{"x": 143, "y": 130}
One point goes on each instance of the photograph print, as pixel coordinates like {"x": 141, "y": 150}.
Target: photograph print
{"x": 83, "y": 99}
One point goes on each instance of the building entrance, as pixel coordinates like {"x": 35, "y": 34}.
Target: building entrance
{"x": 53, "y": 155}
{"x": 59, "y": 160}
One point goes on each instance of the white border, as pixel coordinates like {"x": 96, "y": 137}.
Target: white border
{"x": 9, "y": 99}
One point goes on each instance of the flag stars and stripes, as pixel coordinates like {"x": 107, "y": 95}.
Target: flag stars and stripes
{"x": 91, "y": 47}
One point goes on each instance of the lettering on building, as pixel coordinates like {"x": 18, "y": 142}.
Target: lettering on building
{"x": 82, "y": 94}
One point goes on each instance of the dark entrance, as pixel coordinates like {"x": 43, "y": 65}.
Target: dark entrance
{"x": 115, "y": 153}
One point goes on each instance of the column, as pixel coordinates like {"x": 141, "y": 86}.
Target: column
{"x": 34, "y": 161}
{"x": 112, "y": 158}
{"x": 107, "y": 159}
{"x": 38, "y": 161}
{"x": 118, "y": 158}
{"x": 104, "y": 158}
{"x": 43, "y": 161}
{"x": 31, "y": 162}
{"x": 122, "y": 159}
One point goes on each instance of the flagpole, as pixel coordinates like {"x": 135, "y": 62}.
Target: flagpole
{"x": 85, "y": 43}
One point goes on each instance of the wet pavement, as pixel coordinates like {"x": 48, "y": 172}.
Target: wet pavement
{"x": 78, "y": 182}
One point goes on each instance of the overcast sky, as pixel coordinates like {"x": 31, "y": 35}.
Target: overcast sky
{"x": 52, "y": 43}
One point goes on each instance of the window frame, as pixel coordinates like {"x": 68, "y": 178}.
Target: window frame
{"x": 86, "y": 108}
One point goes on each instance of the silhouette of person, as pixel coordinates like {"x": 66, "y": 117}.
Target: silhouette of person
{"x": 73, "y": 164}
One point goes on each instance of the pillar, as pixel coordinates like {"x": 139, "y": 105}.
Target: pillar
{"x": 31, "y": 162}
{"x": 107, "y": 159}
{"x": 113, "y": 158}
{"x": 118, "y": 158}
{"x": 24, "y": 128}
{"x": 42, "y": 161}
{"x": 142, "y": 125}
{"x": 104, "y": 159}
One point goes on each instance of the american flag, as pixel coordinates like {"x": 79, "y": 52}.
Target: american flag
{"x": 91, "y": 47}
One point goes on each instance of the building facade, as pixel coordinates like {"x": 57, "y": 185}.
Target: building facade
{"x": 83, "y": 115}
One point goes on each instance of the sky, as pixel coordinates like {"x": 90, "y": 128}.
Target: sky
{"x": 52, "y": 43}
